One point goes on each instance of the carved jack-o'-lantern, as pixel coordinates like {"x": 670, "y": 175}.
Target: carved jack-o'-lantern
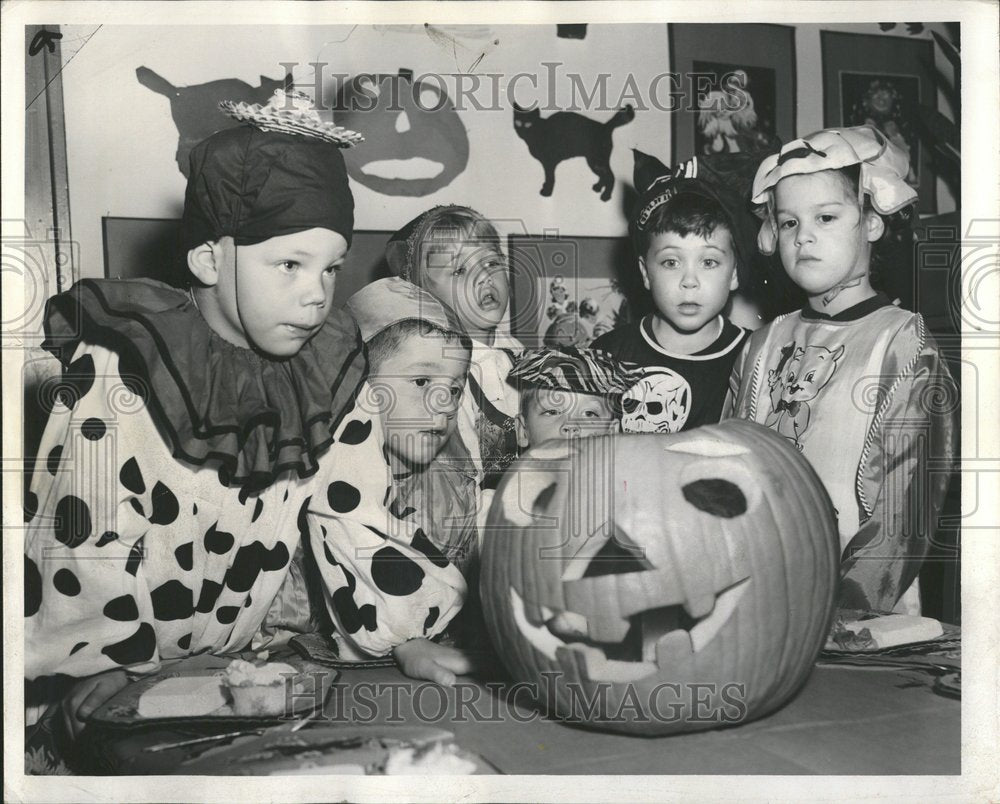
{"x": 661, "y": 583}
{"x": 415, "y": 142}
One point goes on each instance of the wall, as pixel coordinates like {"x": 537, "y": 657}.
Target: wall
{"x": 121, "y": 140}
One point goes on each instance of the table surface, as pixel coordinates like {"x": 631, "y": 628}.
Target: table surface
{"x": 844, "y": 721}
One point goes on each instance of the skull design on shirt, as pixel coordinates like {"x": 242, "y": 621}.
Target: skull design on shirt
{"x": 659, "y": 403}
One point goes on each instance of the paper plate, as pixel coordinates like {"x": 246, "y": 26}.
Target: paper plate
{"x": 191, "y": 689}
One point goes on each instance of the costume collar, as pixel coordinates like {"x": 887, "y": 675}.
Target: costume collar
{"x": 853, "y": 313}
{"x": 215, "y": 403}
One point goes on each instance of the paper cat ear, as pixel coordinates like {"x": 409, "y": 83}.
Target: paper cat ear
{"x": 646, "y": 170}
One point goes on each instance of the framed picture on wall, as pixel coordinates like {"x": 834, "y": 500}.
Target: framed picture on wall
{"x": 566, "y": 291}
{"x": 881, "y": 81}
{"x": 738, "y": 85}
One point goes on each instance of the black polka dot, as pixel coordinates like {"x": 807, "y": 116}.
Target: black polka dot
{"x": 248, "y": 602}
{"x": 30, "y": 506}
{"x": 397, "y": 510}
{"x": 285, "y": 498}
{"x": 78, "y": 647}
{"x": 329, "y": 556}
{"x": 257, "y": 509}
{"x": 93, "y": 429}
{"x": 244, "y": 495}
{"x": 66, "y": 582}
{"x": 210, "y": 591}
{"x": 172, "y": 601}
{"x": 77, "y": 380}
{"x": 426, "y": 546}
{"x": 194, "y": 509}
{"x": 355, "y": 432}
{"x": 32, "y": 587}
{"x": 224, "y": 476}
{"x": 250, "y": 560}
{"x": 394, "y": 573}
{"x": 135, "y": 649}
{"x": 165, "y": 506}
{"x": 134, "y": 558}
{"x": 218, "y": 541}
{"x": 137, "y": 506}
{"x": 122, "y": 608}
{"x": 184, "y": 642}
{"x": 352, "y": 618}
{"x": 107, "y": 537}
{"x": 343, "y": 497}
{"x": 185, "y": 556}
{"x": 132, "y": 375}
{"x": 716, "y": 496}
{"x": 52, "y": 462}
{"x": 432, "y": 617}
{"x": 131, "y": 476}
{"x": 73, "y": 524}
{"x": 227, "y": 614}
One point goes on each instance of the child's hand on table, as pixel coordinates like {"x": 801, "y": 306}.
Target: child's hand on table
{"x": 421, "y": 658}
{"x": 88, "y": 694}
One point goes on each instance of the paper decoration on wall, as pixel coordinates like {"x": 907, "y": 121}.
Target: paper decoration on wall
{"x": 195, "y": 108}
{"x": 467, "y": 44}
{"x": 571, "y": 31}
{"x": 729, "y": 120}
{"x": 415, "y": 142}
{"x": 565, "y": 135}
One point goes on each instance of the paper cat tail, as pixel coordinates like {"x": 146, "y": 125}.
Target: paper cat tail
{"x": 626, "y": 115}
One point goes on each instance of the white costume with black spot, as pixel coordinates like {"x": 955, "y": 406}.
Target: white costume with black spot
{"x": 384, "y": 580}
{"x": 132, "y": 555}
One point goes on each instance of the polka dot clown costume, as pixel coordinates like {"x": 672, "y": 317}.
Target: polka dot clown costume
{"x": 385, "y": 577}
{"x": 164, "y": 510}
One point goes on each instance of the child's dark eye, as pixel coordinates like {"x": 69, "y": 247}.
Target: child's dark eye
{"x": 460, "y": 271}
{"x": 420, "y": 382}
{"x": 288, "y": 266}
{"x": 550, "y": 412}
{"x": 710, "y": 263}
{"x": 332, "y": 269}
{"x": 788, "y": 224}
{"x": 827, "y": 218}
{"x": 669, "y": 263}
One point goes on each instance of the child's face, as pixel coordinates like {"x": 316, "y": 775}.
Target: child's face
{"x": 421, "y": 386}
{"x": 283, "y": 286}
{"x": 471, "y": 279}
{"x": 689, "y": 276}
{"x": 823, "y": 237}
{"x": 563, "y": 414}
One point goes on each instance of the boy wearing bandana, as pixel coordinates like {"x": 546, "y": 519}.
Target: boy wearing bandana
{"x": 694, "y": 250}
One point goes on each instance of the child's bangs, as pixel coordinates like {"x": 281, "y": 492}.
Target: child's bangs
{"x": 462, "y": 228}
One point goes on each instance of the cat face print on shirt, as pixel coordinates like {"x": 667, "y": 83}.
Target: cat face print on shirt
{"x": 797, "y": 379}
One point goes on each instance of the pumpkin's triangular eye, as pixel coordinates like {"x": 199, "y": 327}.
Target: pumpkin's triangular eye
{"x": 716, "y": 496}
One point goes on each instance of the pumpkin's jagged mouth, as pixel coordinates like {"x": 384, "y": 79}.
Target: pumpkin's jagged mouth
{"x": 653, "y": 638}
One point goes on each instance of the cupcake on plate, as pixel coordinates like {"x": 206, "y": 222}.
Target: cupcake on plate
{"x": 257, "y": 690}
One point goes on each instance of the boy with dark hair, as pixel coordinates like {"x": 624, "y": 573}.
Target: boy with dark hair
{"x": 693, "y": 251}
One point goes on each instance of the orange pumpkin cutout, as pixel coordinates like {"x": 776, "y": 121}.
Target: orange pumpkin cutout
{"x": 656, "y": 584}
{"x": 415, "y": 142}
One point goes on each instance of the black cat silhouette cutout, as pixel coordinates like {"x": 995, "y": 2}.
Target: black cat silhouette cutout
{"x": 195, "y": 109}
{"x": 565, "y": 135}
